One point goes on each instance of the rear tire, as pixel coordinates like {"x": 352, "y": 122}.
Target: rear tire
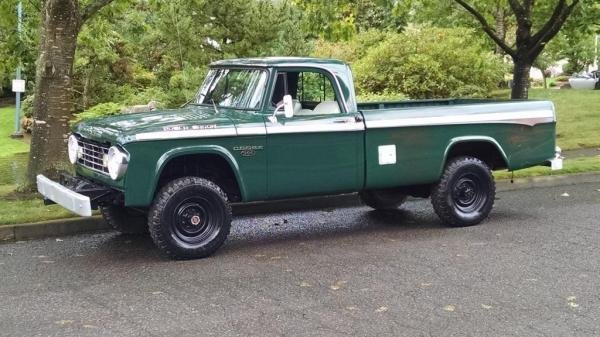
{"x": 190, "y": 218}
{"x": 382, "y": 199}
{"x": 465, "y": 194}
{"x": 125, "y": 220}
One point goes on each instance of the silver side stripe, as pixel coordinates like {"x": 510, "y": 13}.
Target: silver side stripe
{"x": 206, "y": 133}
{"x": 530, "y": 118}
{"x": 341, "y": 127}
{"x": 252, "y": 131}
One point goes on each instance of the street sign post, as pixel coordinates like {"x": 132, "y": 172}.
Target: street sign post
{"x": 18, "y": 84}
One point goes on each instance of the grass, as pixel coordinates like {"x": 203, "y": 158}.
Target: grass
{"x": 17, "y": 209}
{"x": 9, "y": 146}
{"x": 578, "y": 113}
{"x": 570, "y": 166}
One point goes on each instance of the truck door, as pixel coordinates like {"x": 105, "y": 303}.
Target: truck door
{"x": 320, "y": 150}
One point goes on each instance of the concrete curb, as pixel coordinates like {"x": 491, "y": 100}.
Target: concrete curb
{"x": 52, "y": 228}
{"x": 74, "y": 226}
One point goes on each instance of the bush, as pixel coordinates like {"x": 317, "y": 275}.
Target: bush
{"x": 383, "y": 97}
{"x": 27, "y": 106}
{"x": 100, "y": 110}
{"x": 562, "y": 78}
{"x": 430, "y": 63}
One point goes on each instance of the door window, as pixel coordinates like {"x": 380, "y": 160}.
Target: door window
{"x": 313, "y": 92}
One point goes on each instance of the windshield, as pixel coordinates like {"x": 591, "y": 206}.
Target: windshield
{"x": 233, "y": 88}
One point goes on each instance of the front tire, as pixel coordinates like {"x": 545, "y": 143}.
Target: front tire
{"x": 465, "y": 194}
{"x": 190, "y": 218}
{"x": 125, "y": 220}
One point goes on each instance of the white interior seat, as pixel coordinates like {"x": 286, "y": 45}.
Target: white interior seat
{"x": 327, "y": 107}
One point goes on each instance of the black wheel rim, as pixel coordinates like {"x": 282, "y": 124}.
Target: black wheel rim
{"x": 469, "y": 193}
{"x": 195, "y": 221}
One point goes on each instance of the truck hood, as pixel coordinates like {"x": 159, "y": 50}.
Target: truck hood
{"x": 127, "y": 128}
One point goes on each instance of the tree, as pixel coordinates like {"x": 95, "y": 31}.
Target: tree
{"x": 529, "y": 44}
{"x": 62, "y": 21}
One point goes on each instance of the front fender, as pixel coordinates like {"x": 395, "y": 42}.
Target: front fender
{"x": 200, "y": 149}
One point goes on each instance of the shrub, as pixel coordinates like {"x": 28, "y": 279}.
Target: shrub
{"x": 562, "y": 78}
{"x": 383, "y": 97}
{"x": 27, "y": 106}
{"x": 99, "y": 110}
{"x": 430, "y": 63}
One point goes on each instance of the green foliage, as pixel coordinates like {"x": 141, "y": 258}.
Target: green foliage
{"x": 430, "y": 63}
{"x": 381, "y": 97}
{"x": 99, "y": 110}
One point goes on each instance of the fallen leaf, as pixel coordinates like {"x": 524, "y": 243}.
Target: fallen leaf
{"x": 59, "y": 240}
{"x": 425, "y": 284}
{"x": 382, "y": 309}
{"x": 351, "y": 308}
{"x": 485, "y": 306}
{"x": 571, "y": 298}
{"x": 449, "y": 308}
{"x": 337, "y": 285}
{"x": 157, "y": 292}
{"x": 565, "y": 195}
{"x": 64, "y": 322}
{"x": 573, "y": 305}
{"x": 305, "y": 284}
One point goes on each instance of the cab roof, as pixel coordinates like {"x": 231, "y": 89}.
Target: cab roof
{"x": 278, "y": 62}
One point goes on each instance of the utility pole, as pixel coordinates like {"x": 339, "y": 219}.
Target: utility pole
{"x": 18, "y": 84}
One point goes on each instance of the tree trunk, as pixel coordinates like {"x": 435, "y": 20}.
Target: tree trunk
{"x": 520, "y": 89}
{"x": 53, "y": 103}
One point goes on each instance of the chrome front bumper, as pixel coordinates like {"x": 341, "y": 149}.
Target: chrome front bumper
{"x": 71, "y": 200}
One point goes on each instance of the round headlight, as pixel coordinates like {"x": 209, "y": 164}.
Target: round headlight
{"x": 73, "y": 149}
{"x": 116, "y": 162}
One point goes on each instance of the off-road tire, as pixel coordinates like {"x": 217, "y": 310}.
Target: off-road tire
{"x": 125, "y": 220}
{"x": 190, "y": 218}
{"x": 382, "y": 199}
{"x": 465, "y": 194}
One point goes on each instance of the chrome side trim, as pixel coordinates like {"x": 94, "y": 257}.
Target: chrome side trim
{"x": 252, "y": 131}
{"x": 340, "y": 127}
{"x": 529, "y": 118}
{"x": 205, "y": 133}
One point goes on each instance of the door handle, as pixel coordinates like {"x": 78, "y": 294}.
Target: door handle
{"x": 345, "y": 120}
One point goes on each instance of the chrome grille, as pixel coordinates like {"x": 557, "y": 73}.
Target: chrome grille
{"x": 91, "y": 155}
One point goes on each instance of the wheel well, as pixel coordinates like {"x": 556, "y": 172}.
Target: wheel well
{"x": 209, "y": 166}
{"x": 486, "y": 151}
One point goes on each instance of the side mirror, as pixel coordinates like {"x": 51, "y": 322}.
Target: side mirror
{"x": 288, "y": 109}
{"x": 288, "y": 106}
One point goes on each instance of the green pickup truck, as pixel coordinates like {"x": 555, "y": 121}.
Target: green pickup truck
{"x": 276, "y": 128}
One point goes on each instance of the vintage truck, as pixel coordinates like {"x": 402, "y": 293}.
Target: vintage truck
{"x": 275, "y": 128}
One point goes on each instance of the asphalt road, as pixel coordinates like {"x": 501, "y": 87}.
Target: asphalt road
{"x": 531, "y": 270}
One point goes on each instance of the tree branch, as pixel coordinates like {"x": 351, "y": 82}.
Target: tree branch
{"x": 553, "y": 25}
{"x": 486, "y": 27}
{"x": 92, "y": 8}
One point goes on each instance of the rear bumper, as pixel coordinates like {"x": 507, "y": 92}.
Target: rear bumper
{"x": 556, "y": 163}
{"x": 75, "y": 194}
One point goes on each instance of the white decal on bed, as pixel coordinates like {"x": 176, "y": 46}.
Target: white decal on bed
{"x": 387, "y": 154}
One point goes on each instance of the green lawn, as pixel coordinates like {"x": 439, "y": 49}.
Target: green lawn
{"x": 18, "y": 209}
{"x": 578, "y": 114}
{"x": 570, "y": 166}
{"x": 9, "y": 146}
